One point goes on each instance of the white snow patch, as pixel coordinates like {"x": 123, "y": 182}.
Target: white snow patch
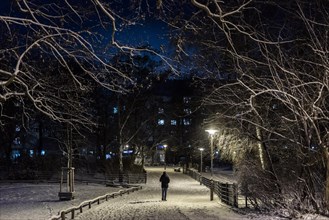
{"x": 186, "y": 199}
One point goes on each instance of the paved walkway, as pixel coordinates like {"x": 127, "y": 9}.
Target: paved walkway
{"x": 186, "y": 199}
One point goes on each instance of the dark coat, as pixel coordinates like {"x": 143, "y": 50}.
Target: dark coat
{"x": 164, "y": 179}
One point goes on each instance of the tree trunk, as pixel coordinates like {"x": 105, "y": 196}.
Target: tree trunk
{"x": 143, "y": 158}
{"x": 265, "y": 158}
{"x": 327, "y": 179}
{"x": 120, "y": 142}
{"x": 40, "y": 144}
{"x": 121, "y": 158}
{"x": 70, "y": 176}
{"x": 260, "y": 147}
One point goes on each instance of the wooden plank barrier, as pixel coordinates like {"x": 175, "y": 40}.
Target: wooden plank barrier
{"x": 228, "y": 193}
{"x": 63, "y": 213}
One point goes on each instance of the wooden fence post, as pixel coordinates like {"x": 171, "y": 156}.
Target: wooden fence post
{"x": 63, "y": 215}
{"x": 211, "y": 190}
{"x": 227, "y": 198}
{"x": 72, "y": 214}
{"x": 235, "y": 196}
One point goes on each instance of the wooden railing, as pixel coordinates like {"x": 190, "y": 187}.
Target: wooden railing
{"x": 228, "y": 193}
{"x": 73, "y": 211}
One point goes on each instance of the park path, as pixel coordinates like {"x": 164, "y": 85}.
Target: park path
{"x": 186, "y": 199}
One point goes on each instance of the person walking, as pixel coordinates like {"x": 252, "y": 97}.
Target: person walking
{"x": 165, "y": 180}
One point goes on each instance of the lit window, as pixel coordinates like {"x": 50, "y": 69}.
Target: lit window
{"x": 173, "y": 122}
{"x": 161, "y": 121}
{"x": 161, "y": 111}
{"x": 186, "y": 121}
{"x": 187, "y": 100}
{"x": 187, "y": 111}
{"x": 128, "y": 151}
{"x": 17, "y": 141}
{"x": 115, "y": 110}
{"x": 15, "y": 154}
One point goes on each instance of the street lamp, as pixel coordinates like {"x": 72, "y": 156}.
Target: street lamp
{"x": 211, "y": 132}
{"x": 201, "y": 149}
{"x": 165, "y": 148}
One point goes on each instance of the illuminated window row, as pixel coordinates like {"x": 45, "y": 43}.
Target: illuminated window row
{"x": 186, "y": 121}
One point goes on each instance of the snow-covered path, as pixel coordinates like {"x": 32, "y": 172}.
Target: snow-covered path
{"x": 186, "y": 200}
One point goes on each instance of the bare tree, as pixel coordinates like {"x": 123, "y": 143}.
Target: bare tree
{"x": 65, "y": 33}
{"x": 272, "y": 61}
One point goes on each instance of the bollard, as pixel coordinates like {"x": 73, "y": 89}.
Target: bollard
{"x": 211, "y": 190}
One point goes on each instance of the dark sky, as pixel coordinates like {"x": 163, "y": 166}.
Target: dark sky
{"x": 4, "y": 6}
{"x": 149, "y": 31}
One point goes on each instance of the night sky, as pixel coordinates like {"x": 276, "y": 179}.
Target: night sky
{"x": 149, "y": 31}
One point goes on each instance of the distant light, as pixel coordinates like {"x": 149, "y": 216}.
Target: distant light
{"x": 108, "y": 156}
{"x": 187, "y": 121}
{"x": 128, "y": 151}
{"x": 161, "y": 122}
{"x": 31, "y": 153}
{"x": 165, "y": 146}
{"x": 211, "y": 131}
{"x": 173, "y": 122}
{"x": 15, "y": 154}
{"x": 201, "y": 149}
{"x": 43, "y": 152}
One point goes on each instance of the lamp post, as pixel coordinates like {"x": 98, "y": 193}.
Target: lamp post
{"x": 165, "y": 149}
{"x": 211, "y": 132}
{"x": 201, "y": 149}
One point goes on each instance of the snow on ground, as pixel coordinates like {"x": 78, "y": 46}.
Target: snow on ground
{"x": 186, "y": 199}
{"x": 22, "y": 201}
